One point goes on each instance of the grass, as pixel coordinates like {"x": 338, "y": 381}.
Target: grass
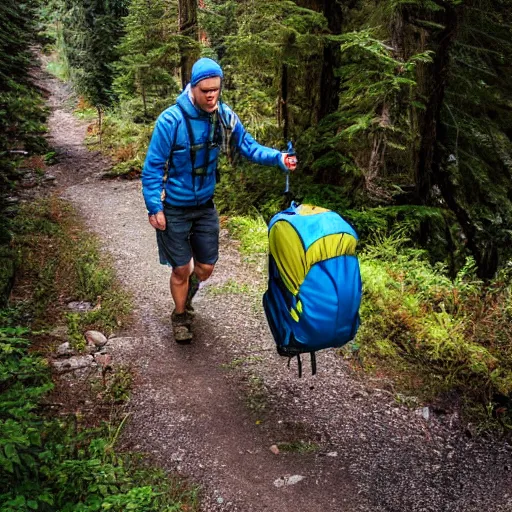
{"x": 59, "y": 262}
{"x": 53, "y": 463}
{"x": 252, "y": 234}
{"x": 57, "y": 69}
{"x": 125, "y": 142}
{"x": 231, "y": 286}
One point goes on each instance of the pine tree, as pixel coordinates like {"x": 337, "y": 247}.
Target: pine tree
{"x": 274, "y": 53}
{"x": 189, "y": 31}
{"x": 21, "y": 115}
{"x": 473, "y": 160}
{"x": 92, "y": 30}
{"x": 149, "y": 53}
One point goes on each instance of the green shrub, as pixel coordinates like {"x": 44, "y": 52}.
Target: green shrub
{"x": 448, "y": 334}
{"x": 58, "y": 260}
{"x": 47, "y": 464}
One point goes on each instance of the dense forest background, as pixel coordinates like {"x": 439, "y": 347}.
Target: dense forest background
{"x": 401, "y": 115}
{"x": 400, "y": 110}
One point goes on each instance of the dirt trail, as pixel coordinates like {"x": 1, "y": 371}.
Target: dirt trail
{"x": 212, "y": 410}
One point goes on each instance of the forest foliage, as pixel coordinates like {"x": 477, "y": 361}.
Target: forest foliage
{"x": 398, "y": 104}
{"x": 400, "y": 112}
{"x": 58, "y": 448}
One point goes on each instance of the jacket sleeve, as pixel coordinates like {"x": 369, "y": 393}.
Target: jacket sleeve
{"x": 254, "y": 151}
{"x": 157, "y": 155}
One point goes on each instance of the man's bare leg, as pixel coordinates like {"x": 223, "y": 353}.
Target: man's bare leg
{"x": 203, "y": 271}
{"x": 179, "y": 282}
{"x": 179, "y": 286}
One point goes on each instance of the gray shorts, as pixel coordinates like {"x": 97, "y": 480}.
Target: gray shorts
{"x": 190, "y": 233}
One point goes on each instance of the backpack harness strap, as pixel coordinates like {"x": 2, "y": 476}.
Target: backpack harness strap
{"x": 194, "y": 148}
{"x": 313, "y": 363}
{"x": 299, "y": 363}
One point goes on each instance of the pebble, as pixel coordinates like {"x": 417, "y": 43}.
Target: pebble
{"x": 288, "y": 480}
{"x": 73, "y": 363}
{"x": 80, "y": 306}
{"x": 64, "y": 349}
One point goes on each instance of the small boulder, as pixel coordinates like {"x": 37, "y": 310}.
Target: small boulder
{"x": 65, "y": 350}
{"x": 274, "y": 449}
{"x": 288, "y": 480}
{"x": 80, "y": 306}
{"x": 96, "y": 337}
{"x": 73, "y": 363}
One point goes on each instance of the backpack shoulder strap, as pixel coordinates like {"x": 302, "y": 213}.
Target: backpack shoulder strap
{"x": 190, "y": 135}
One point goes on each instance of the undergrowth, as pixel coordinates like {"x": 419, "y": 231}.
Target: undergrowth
{"x": 432, "y": 334}
{"x": 63, "y": 261}
{"x": 124, "y": 141}
{"x": 51, "y": 464}
{"x": 437, "y": 334}
{"x": 252, "y": 233}
{"x": 57, "y": 462}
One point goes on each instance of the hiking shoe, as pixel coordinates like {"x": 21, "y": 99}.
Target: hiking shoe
{"x": 182, "y": 327}
{"x": 193, "y": 286}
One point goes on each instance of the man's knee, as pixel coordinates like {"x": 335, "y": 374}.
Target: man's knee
{"x": 203, "y": 270}
{"x": 180, "y": 275}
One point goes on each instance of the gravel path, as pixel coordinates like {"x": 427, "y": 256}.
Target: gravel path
{"x": 212, "y": 410}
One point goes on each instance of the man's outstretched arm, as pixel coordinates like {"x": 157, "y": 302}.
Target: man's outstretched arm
{"x": 263, "y": 155}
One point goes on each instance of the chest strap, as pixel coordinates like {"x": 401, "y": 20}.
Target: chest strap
{"x": 194, "y": 148}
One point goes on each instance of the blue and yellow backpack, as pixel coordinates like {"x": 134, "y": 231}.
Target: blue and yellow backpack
{"x": 314, "y": 285}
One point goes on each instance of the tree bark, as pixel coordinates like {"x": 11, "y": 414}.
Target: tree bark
{"x": 187, "y": 26}
{"x": 438, "y": 78}
{"x": 329, "y": 84}
{"x": 284, "y": 101}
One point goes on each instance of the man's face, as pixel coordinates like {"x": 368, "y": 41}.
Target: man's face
{"x": 206, "y": 94}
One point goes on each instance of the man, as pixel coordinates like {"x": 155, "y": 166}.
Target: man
{"x": 185, "y": 146}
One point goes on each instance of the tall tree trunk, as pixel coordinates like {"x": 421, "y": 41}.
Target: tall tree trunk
{"x": 438, "y": 78}
{"x": 284, "y": 101}
{"x": 384, "y": 111}
{"x": 485, "y": 251}
{"x": 187, "y": 26}
{"x": 329, "y": 83}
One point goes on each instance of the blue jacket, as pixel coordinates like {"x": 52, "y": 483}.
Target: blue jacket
{"x": 188, "y": 183}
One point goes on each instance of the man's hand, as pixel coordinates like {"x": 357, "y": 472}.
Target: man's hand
{"x": 290, "y": 161}
{"x": 158, "y": 220}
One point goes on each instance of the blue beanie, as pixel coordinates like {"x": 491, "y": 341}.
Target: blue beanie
{"x": 205, "y": 68}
